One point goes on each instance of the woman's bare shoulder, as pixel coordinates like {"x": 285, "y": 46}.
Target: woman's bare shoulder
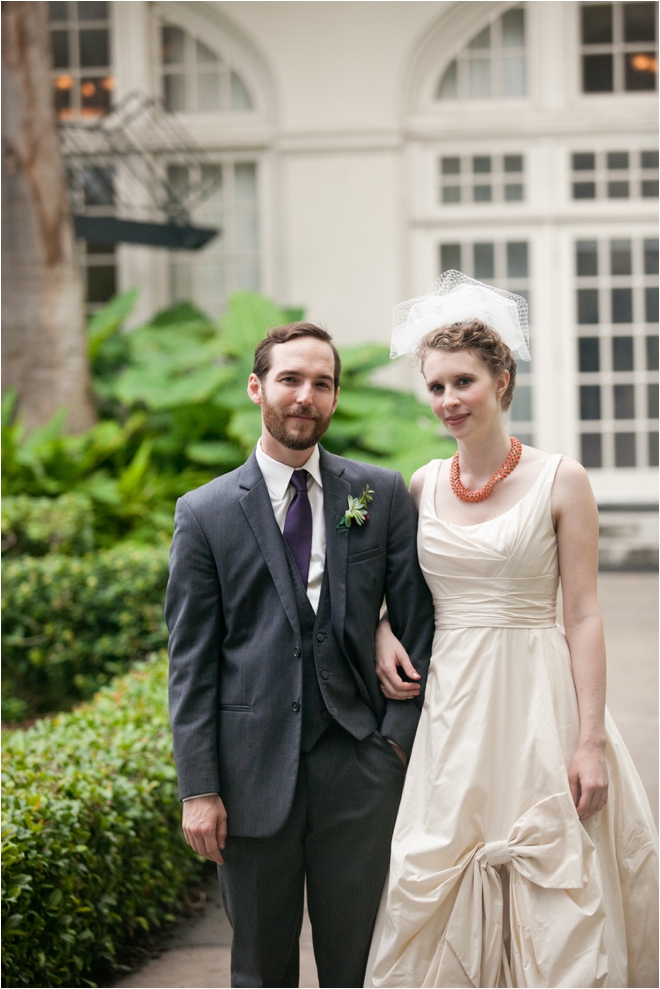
{"x": 417, "y": 483}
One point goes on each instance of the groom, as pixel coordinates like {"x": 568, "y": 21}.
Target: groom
{"x": 290, "y": 760}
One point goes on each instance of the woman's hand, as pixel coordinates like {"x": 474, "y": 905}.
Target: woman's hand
{"x": 390, "y": 655}
{"x": 587, "y": 776}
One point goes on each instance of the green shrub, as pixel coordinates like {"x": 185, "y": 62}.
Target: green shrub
{"x": 36, "y": 526}
{"x": 92, "y": 847}
{"x": 72, "y": 623}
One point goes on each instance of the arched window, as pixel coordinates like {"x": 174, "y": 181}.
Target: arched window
{"x": 196, "y": 79}
{"x": 492, "y": 66}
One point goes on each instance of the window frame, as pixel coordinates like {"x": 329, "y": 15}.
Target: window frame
{"x": 618, "y": 48}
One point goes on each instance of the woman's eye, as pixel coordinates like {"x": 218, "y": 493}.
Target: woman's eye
{"x": 465, "y": 381}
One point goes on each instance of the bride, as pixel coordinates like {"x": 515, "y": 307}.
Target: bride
{"x": 524, "y": 852}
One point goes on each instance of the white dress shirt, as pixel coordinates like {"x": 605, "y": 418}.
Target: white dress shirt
{"x": 278, "y": 481}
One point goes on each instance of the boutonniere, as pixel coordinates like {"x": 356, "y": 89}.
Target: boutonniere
{"x": 357, "y": 510}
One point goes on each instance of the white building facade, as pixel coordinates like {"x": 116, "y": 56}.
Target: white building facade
{"x": 356, "y": 150}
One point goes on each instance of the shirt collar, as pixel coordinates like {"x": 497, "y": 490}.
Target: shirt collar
{"x": 278, "y": 475}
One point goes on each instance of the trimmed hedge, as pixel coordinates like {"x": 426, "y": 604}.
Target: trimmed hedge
{"x": 92, "y": 846}
{"x": 47, "y": 525}
{"x": 72, "y": 623}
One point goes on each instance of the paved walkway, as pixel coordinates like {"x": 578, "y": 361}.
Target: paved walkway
{"x": 196, "y": 954}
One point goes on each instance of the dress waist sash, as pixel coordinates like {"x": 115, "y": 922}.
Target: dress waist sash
{"x": 499, "y": 602}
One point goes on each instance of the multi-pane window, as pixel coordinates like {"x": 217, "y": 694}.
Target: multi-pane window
{"x": 196, "y": 78}
{"x": 493, "y": 63}
{"x": 80, "y": 45}
{"x": 92, "y": 193}
{"x": 619, "y": 47}
{"x": 614, "y": 174}
{"x": 617, "y": 351}
{"x": 506, "y": 265}
{"x": 231, "y": 260}
{"x": 481, "y": 178}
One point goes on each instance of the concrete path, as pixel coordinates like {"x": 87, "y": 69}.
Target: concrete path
{"x": 196, "y": 954}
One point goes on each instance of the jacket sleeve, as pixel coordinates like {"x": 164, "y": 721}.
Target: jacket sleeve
{"x": 193, "y": 612}
{"x": 409, "y": 609}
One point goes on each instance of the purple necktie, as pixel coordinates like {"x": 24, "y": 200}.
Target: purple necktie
{"x": 298, "y": 525}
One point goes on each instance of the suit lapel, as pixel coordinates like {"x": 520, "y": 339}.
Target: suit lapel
{"x": 259, "y": 513}
{"x": 335, "y": 494}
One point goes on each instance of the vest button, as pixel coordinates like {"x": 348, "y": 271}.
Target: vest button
{"x": 327, "y": 716}
{"x": 325, "y": 675}
{"x": 295, "y": 706}
{"x": 320, "y": 636}
{"x": 296, "y": 652}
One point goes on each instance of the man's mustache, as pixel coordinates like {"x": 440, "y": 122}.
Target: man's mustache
{"x": 303, "y": 410}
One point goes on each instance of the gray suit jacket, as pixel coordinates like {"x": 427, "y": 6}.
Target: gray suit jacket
{"x": 235, "y": 666}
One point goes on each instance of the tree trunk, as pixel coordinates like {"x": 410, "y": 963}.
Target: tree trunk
{"x": 45, "y": 348}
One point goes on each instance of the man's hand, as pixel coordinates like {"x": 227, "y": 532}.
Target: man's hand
{"x": 390, "y": 654}
{"x": 205, "y": 826}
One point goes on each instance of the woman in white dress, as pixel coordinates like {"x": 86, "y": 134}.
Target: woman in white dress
{"x": 525, "y": 852}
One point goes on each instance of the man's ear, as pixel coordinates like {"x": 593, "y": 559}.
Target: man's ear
{"x": 254, "y": 389}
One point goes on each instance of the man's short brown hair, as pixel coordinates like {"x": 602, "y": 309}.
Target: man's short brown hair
{"x": 293, "y": 331}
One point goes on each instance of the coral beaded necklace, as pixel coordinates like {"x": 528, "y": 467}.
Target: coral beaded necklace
{"x": 487, "y": 489}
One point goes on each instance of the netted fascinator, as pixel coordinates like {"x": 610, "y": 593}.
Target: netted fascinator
{"x": 456, "y": 298}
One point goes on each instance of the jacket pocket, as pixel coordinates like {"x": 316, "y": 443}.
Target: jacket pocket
{"x": 234, "y": 707}
{"x": 367, "y": 554}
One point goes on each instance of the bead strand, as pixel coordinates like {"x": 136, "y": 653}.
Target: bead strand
{"x": 486, "y": 490}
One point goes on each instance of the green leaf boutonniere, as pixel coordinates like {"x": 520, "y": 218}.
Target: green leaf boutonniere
{"x": 357, "y": 510}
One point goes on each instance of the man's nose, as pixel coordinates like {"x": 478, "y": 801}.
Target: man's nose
{"x": 304, "y": 393}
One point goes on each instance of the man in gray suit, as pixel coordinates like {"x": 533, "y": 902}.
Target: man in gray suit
{"x": 290, "y": 759}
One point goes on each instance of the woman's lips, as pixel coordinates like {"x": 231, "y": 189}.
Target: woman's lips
{"x": 456, "y": 420}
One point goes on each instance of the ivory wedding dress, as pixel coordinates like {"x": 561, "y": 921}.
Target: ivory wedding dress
{"x": 493, "y": 879}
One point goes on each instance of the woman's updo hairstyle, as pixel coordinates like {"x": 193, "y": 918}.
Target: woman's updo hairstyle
{"x": 484, "y": 341}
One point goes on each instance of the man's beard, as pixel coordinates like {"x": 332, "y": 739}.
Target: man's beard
{"x": 301, "y": 436}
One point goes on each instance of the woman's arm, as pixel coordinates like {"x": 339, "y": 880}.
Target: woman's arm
{"x": 576, "y": 520}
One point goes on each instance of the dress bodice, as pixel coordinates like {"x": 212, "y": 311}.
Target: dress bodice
{"x": 498, "y": 573}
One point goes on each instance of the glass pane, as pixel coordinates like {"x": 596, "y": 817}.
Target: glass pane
{"x": 617, "y": 159}
{"x": 597, "y": 73}
{"x": 94, "y": 248}
{"x": 639, "y": 21}
{"x": 513, "y": 193}
{"x": 651, "y": 305}
{"x": 208, "y": 91}
{"x": 513, "y": 76}
{"x": 651, "y": 353}
{"x": 618, "y": 190}
{"x": 479, "y": 78}
{"x": 484, "y": 260}
{"x": 584, "y": 161}
{"x": 516, "y": 260}
{"x": 450, "y": 257}
{"x": 245, "y": 182}
{"x": 620, "y": 257}
{"x": 239, "y": 96}
{"x": 641, "y": 71}
{"x": 513, "y": 28}
{"x": 180, "y": 281}
{"x": 451, "y": 194}
{"x": 589, "y": 354}
{"x": 59, "y": 44}
{"x": 94, "y": 47}
{"x": 101, "y": 283}
{"x": 513, "y": 163}
{"x": 586, "y": 258}
{"x": 624, "y": 450}
{"x": 58, "y": 11}
{"x": 590, "y": 402}
{"x": 521, "y": 406}
{"x": 651, "y": 256}
{"x": 584, "y": 190}
{"x": 98, "y": 187}
{"x": 596, "y": 23}
{"x": 592, "y": 450}
{"x": 451, "y": 166}
{"x": 587, "y": 299}
{"x": 94, "y": 11}
{"x": 481, "y": 164}
{"x": 173, "y": 39}
{"x": 653, "y": 449}
{"x": 481, "y": 40}
{"x": 652, "y": 401}
{"x": 650, "y": 189}
{"x": 62, "y": 91}
{"x": 211, "y": 176}
{"x": 482, "y": 193}
{"x": 247, "y": 275}
{"x": 174, "y": 92}
{"x": 448, "y": 86}
{"x": 204, "y": 54}
{"x": 622, "y": 353}
{"x": 178, "y": 182}
{"x": 622, "y": 305}
{"x": 624, "y": 401}
{"x": 649, "y": 159}
{"x": 246, "y": 231}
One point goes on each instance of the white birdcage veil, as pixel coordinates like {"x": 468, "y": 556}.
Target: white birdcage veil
{"x": 456, "y": 298}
